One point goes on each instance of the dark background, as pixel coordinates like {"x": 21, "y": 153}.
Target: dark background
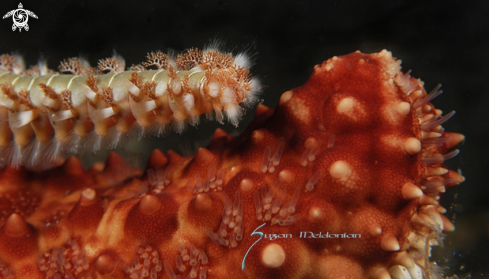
{"x": 441, "y": 41}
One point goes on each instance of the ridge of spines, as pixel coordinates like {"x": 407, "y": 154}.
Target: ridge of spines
{"x": 428, "y": 221}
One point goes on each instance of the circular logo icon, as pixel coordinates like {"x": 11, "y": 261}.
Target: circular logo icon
{"x": 20, "y": 17}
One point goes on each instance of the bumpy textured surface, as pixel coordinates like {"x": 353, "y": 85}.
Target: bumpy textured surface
{"x": 346, "y": 174}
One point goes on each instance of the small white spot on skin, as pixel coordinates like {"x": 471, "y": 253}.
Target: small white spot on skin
{"x": 385, "y": 53}
{"x": 246, "y": 185}
{"x": 286, "y": 176}
{"x": 329, "y": 66}
{"x": 403, "y": 108}
{"x": 273, "y": 256}
{"x": 340, "y": 170}
{"x": 286, "y": 96}
{"x": 257, "y": 136}
{"x": 300, "y": 110}
{"x": 316, "y": 214}
{"x": 89, "y": 194}
{"x": 351, "y": 108}
{"x": 345, "y": 105}
{"x": 412, "y": 146}
{"x": 234, "y": 170}
{"x": 394, "y": 111}
{"x": 375, "y": 229}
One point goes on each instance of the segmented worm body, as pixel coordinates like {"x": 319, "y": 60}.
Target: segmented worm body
{"x": 46, "y": 114}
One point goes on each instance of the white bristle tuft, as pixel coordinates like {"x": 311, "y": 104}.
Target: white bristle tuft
{"x": 84, "y": 61}
{"x": 218, "y": 113}
{"x": 157, "y": 129}
{"x": 71, "y": 143}
{"x": 11, "y": 154}
{"x": 34, "y": 153}
{"x": 242, "y": 60}
{"x": 43, "y": 66}
{"x": 19, "y": 66}
{"x": 119, "y": 58}
{"x": 252, "y": 98}
{"x": 215, "y": 45}
{"x": 193, "y": 120}
{"x": 172, "y": 58}
{"x": 92, "y": 140}
{"x": 114, "y": 138}
{"x": 234, "y": 113}
{"x": 138, "y": 131}
{"x": 178, "y": 126}
{"x": 51, "y": 152}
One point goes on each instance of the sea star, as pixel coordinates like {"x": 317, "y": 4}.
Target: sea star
{"x": 345, "y": 174}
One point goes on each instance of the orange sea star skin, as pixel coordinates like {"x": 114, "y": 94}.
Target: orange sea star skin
{"x": 355, "y": 156}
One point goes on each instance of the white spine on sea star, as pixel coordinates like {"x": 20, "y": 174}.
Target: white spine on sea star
{"x": 312, "y": 148}
{"x": 203, "y": 257}
{"x": 271, "y": 193}
{"x": 195, "y": 268}
{"x": 179, "y": 263}
{"x": 275, "y": 159}
{"x": 278, "y": 200}
{"x": 232, "y": 218}
{"x": 290, "y": 206}
{"x": 313, "y": 180}
{"x": 168, "y": 269}
{"x": 258, "y": 206}
{"x": 265, "y": 160}
{"x": 183, "y": 252}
